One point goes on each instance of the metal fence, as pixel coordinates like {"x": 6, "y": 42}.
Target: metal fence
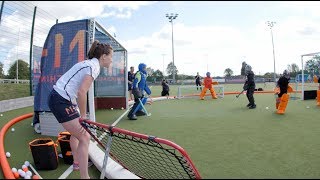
{"x": 14, "y": 81}
{"x": 23, "y": 30}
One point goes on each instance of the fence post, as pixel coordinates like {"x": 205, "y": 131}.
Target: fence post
{"x": 31, "y": 48}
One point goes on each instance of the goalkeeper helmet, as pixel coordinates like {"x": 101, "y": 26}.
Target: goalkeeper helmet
{"x": 142, "y": 67}
{"x": 247, "y": 69}
{"x": 286, "y": 73}
{"x": 208, "y": 74}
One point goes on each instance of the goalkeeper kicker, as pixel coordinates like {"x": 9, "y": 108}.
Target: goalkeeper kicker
{"x": 282, "y": 91}
{"x": 208, "y": 84}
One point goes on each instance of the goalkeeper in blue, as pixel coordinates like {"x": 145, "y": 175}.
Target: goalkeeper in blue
{"x": 139, "y": 88}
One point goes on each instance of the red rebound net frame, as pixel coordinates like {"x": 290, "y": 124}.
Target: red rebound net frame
{"x": 145, "y": 156}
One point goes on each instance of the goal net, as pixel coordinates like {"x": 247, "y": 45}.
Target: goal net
{"x": 186, "y": 91}
{"x": 306, "y": 81}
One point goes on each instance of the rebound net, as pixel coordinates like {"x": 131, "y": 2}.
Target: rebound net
{"x": 148, "y": 157}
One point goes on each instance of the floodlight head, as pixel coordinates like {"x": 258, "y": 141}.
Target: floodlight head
{"x": 270, "y": 23}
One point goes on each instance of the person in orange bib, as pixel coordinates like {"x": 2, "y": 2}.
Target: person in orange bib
{"x": 316, "y": 79}
{"x": 207, "y": 82}
{"x": 282, "y": 90}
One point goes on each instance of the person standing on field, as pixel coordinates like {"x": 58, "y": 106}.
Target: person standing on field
{"x": 68, "y": 101}
{"x": 198, "y": 81}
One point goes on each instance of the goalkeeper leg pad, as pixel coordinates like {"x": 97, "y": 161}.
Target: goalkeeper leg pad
{"x": 213, "y": 93}
{"x": 203, "y": 92}
{"x": 315, "y": 79}
{"x": 283, "y": 104}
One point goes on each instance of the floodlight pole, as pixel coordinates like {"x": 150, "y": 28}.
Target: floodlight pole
{"x": 163, "y": 63}
{"x": 206, "y": 55}
{"x": 17, "y": 65}
{"x": 270, "y": 24}
{"x": 171, "y": 17}
{"x": 302, "y": 87}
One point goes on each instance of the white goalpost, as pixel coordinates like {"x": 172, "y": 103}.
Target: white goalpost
{"x": 185, "y": 91}
{"x": 302, "y": 79}
{"x": 92, "y": 114}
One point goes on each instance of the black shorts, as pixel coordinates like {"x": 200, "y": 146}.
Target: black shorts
{"x": 129, "y": 87}
{"x": 283, "y": 90}
{"x": 164, "y": 93}
{"x": 61, "y": 108}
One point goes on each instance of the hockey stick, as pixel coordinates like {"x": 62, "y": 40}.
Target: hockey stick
{"x": 240, "y": 93}
{"x": 148, "y": 114}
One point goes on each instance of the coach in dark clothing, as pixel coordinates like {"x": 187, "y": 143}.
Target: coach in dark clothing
{"x": 250, "y": 85}
{"x": 130, "y": 81}
{"x": 198, "y": 81}
{"x": 165, "y": 88}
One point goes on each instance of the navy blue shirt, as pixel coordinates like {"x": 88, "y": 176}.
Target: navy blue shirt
{"x": 130, "y": 78}
{"x": 197, "y": 78}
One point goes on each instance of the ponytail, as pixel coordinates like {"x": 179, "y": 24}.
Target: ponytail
{"x": 98, "y": 49}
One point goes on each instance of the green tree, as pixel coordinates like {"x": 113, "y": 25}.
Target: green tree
{"x": 150, "y": 72}
{"x": 317, "y": 58}
{"x": 312, "y": 66}
{"x": 293, "y": 69}
{"x": 1, "y": 71}
{"x": 158, "y": 75}
{"x": 23, "y": 70}
{"x": 172, "y": 69}
{"x": 228, "y": 72}
{"x": 270, "y": 75}
{"x": 243, "y": 73}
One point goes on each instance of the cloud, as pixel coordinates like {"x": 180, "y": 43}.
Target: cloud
{"x": 19, "y": 18}
{"x": 195, "y": 46}
{"x": 221, "y": 47}
{"x": 112, "y": 30}
{"x": 302, "y": 7}
{"x": 137, "y": 51}
{"x": 84, "y": 9}
{"x": 289, "y": 43}
{"x": 15, "y": 39}
{"x": 308, "y": 31}
{"x": 191, "y": 44}
{"x": 16, "y": 33}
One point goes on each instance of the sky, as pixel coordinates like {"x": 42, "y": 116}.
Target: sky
{"x": 208, "y": 35}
